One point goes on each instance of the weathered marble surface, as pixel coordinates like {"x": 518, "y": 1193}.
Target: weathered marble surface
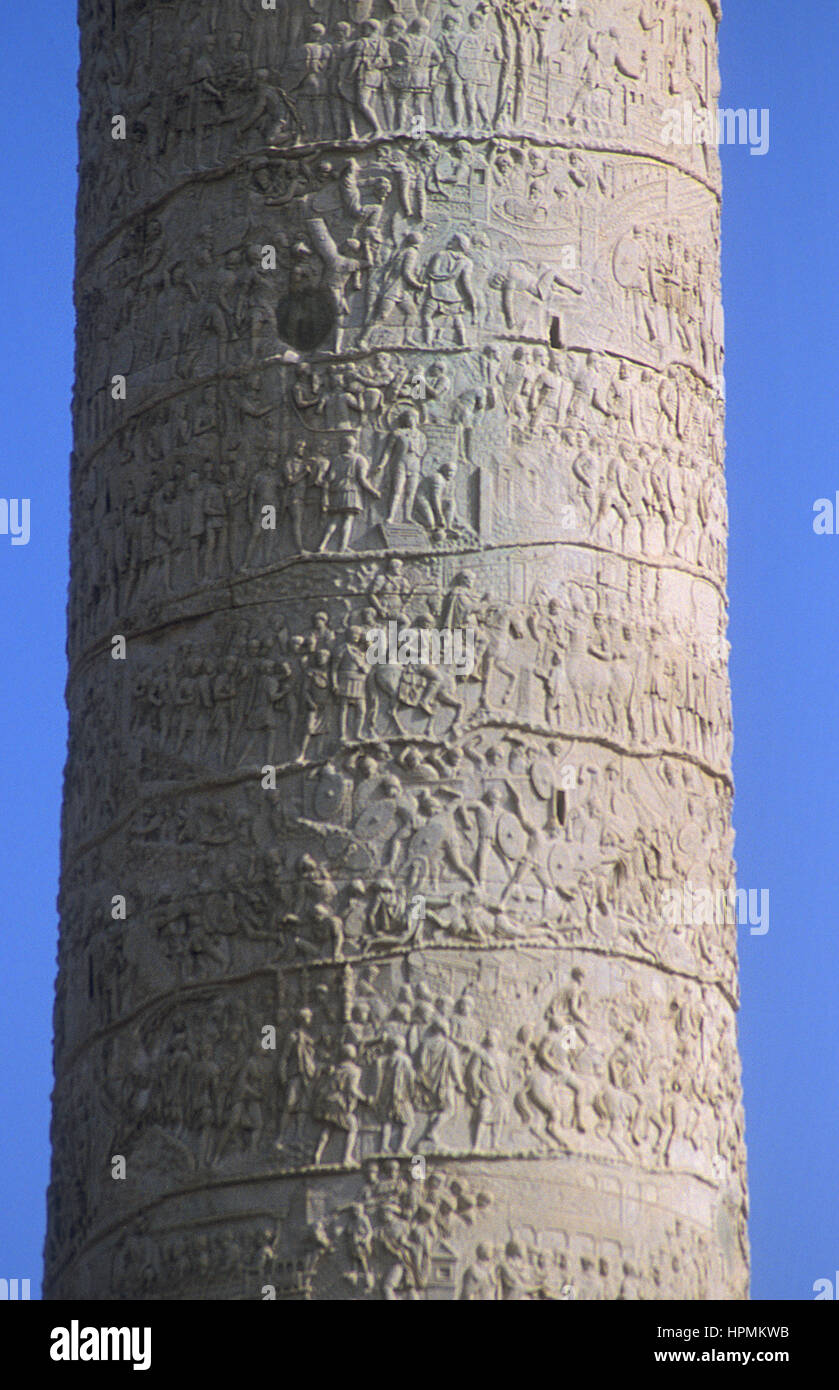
{"x": 421, "y": 284}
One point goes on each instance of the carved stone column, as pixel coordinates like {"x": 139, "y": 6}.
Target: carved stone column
{"x": 399, "y": 714}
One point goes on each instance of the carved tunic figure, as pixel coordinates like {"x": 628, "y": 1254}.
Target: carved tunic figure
{"x": 344, "y": 481}
{"x": 449, "y": 293}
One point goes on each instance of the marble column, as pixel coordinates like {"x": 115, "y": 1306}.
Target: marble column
{"x": 398, "y": 953}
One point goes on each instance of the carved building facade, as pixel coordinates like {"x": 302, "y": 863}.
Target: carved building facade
{"x": 400, "y": 319}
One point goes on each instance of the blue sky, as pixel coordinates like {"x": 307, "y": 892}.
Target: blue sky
{"x": 37, "y": 190}
{"x": 781, "y": 286}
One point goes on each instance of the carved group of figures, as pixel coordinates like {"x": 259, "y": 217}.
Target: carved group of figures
{"x": 241, "y": 78}
{"x": 407, "y": 452}
{"x": 404, "y": 1235}
{"x": 192, "y": 1263}
{"x": 552, "y": 665}
{"x": 478, "y": 847}
{"x": 406, "y": 249}
{"x": 581, "y": 1076}
{"x": 373, "y": 1069}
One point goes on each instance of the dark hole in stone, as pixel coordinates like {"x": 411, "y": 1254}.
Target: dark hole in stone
{"x": 556, "y": 340}
{"x": 306, "y": 320}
